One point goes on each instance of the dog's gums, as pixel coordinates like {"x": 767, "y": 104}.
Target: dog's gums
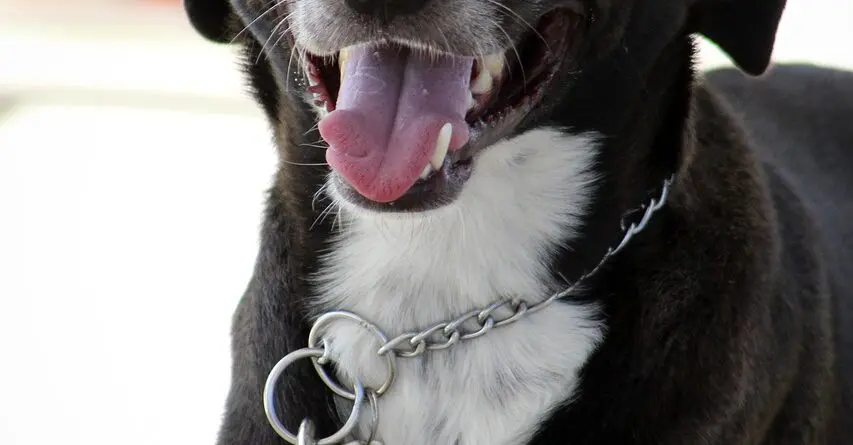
{"x": 404, "y": 124}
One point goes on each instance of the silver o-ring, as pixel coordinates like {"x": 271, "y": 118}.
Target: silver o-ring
{"x": 373, "y": 399}
{"x": 269, "y": 400}
{"x": 314, "y": 339}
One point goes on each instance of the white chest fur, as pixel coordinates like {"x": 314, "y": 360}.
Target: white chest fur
{"x": 405, "y": 272}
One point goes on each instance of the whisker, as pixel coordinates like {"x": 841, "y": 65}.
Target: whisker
{"x": 322, "y": 216}
{"x": 320, "y": 142}
{"x": 267, "y": 11}
{"x": 314, "y": 127}
{"x": 272, "y": 33}
{"x": 514, "y": 50}
{"x": 343, "y": 218}
{"x": 305, "y": 164}
{"x": 318, "y": 194}
{"x": 521, "y": 19}
{"x": 289, "y": 61}
{"x": 321, "y": 147}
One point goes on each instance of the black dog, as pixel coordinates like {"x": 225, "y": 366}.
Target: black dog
{"x": 506, "y": 222}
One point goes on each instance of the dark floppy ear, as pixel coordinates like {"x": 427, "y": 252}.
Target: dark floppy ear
{"x": 744, "y": 29}
{"x": 213, "y": 19}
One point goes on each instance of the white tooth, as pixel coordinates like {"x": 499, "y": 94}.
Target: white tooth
{"x": 483, "y": 83}
{"x": 442, "y": 144}
{"x": 342, "y": 60}
{"x": 494, "y": 64}
{"x": 426, "y": 172}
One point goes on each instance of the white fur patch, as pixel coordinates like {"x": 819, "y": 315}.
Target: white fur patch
{"x": 407, "y": 272}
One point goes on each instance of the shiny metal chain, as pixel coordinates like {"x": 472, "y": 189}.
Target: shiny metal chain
{"x": 413, "y": 344}
{"x": 449, "y": 333}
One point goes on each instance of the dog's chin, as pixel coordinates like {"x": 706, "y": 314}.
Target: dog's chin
{"x": 440, "y": 189}
{"x": 504, "y": 89}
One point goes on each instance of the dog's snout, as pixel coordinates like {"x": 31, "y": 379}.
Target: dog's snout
{"x": 386, "y": 10}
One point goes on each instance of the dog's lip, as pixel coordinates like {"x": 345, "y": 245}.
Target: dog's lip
{"x": 383, "y": 36}
{"x": 381, "y": 39}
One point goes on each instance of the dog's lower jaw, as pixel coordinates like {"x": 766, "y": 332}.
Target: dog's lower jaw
{"x": 409, "y": 271}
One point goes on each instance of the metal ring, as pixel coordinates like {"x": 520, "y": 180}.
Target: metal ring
{"x": 313, "y": 339}
{"x": 373, "y": 398}
{"x": 272, "y": 415}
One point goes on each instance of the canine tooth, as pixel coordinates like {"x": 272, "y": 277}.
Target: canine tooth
{"x": 483, "y": 83}
{"x": 442, "y": 144}
{"x": 342, "y": 60}
{"x": 426, "y": 172}
{"x": 494, "y": 63}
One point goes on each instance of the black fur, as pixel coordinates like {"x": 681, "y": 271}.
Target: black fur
{"x": 744, "y": 29}
{"x": 730, "y": 320}
{"x": 213, "y": 20}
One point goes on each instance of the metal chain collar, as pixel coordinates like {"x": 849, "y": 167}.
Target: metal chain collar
{"x": 413, "y": 344}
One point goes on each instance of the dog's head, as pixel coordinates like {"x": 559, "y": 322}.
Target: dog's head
{"x": 409, "y": 92}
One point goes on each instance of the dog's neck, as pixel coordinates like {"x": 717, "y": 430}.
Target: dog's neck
{"x": 648, "y": 137}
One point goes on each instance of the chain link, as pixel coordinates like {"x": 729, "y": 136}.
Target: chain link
{"x": 413, "y": 344}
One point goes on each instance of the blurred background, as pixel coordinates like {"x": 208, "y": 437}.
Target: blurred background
{"x": 132, "y": 173}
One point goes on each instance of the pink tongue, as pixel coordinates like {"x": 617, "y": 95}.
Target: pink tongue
{"x": 391, "y": 106}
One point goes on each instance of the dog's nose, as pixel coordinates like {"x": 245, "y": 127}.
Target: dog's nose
{"x": 386, "y": 9}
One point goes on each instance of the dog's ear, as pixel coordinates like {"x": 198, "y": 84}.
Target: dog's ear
{"x": 744, "y": 29}
{"x": 213, "y": 19}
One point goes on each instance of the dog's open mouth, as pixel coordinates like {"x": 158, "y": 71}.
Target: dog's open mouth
{"x": 403, "y": 124}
